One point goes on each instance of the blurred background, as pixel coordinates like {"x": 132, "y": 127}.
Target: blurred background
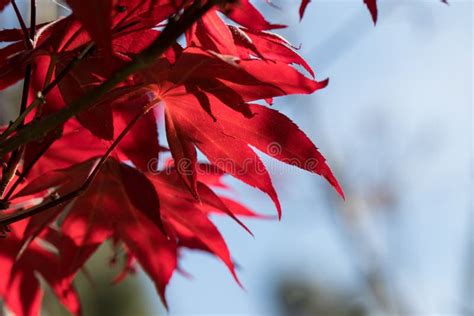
{"x": 396, "y": 125}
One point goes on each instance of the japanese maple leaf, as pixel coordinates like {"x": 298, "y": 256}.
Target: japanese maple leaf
{"x": 204, "y": 95}
{"x": 211, "y": 33}
{"x": 234, "y": 86}
{"x": 123, "y": 204}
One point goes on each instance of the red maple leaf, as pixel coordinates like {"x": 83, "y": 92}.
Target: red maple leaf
{"x": 148, "y": 212}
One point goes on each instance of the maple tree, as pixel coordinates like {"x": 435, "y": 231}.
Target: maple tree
{"x": 79, "y": 162}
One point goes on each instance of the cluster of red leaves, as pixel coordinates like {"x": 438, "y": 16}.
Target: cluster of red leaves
{"x": 208, "y": 89}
